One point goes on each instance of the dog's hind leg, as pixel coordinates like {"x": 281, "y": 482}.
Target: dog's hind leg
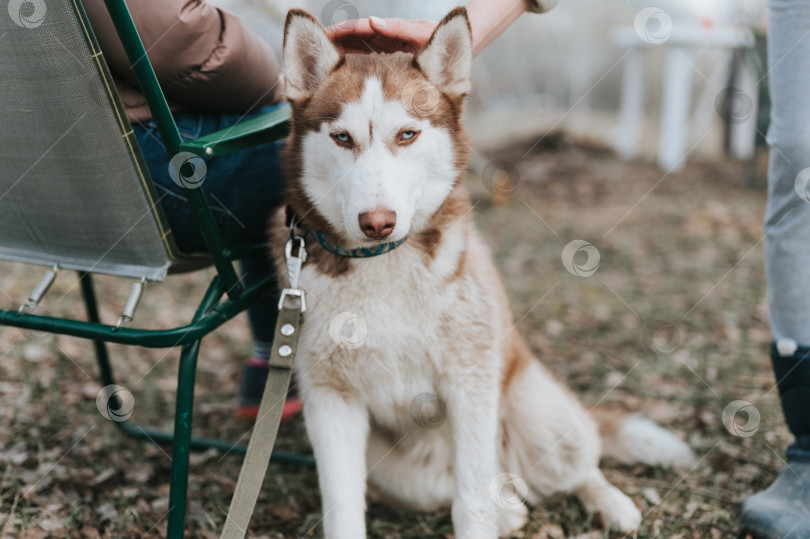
{"x": 547, "y": 438}
{"x": 550, "y": 441}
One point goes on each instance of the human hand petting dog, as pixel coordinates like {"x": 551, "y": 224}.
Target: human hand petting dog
{"x": 381, "y": 35}
{"x": 488, "y": 19}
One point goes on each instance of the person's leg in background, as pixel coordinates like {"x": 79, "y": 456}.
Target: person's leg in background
{"x": 783, "y": 510}
{"x": 243, "y": 189}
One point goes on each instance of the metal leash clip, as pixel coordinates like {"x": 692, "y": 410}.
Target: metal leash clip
{"x": 294, "y": 264}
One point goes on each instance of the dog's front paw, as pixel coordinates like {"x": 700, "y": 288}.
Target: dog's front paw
{"x": 511, "y": 520}
{"x": 620, "y": 513}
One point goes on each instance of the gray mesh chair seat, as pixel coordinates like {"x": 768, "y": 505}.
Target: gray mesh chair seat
{"x": 74, "y": 190}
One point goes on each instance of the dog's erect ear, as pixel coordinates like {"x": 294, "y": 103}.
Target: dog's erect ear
{"x": 309, "y": 55}
{"x": 446, "y": 59}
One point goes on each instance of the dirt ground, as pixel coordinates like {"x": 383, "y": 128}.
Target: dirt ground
{"x": 672, "y": 323}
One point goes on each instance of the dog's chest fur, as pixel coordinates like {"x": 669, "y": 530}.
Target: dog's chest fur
{"x": 427, "y": 325}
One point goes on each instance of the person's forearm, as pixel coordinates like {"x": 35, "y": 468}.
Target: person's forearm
{"x": 489, "y": 19}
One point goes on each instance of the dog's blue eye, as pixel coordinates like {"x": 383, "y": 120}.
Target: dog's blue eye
{"x": 408, "y": 134}
{"x": 342, "y": 137}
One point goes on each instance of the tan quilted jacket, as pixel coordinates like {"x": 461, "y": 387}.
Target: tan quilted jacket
{"x": 204, "y": 57}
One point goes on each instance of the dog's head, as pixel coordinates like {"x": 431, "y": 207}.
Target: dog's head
{"x": 377, "y": 144}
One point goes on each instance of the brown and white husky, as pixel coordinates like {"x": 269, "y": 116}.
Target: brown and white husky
{"x": 416, "y": 385}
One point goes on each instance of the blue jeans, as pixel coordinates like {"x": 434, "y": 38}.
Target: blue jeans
{"x": 242, "y": 188}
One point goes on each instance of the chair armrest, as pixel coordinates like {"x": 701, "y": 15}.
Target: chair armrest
{"x": 253, "y": 132}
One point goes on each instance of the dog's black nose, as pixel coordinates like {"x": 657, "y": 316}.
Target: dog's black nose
{"x": 378, "y": 224}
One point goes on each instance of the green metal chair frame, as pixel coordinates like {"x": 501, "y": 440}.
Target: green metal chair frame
{"x": 213, "y": 310}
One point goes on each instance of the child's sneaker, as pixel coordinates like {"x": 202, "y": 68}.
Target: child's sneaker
{"x": 254, "y": 378}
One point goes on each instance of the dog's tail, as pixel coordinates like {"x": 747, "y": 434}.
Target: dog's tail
{"x": 633, "y": 439}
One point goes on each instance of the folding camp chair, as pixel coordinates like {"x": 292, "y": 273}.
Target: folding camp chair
{"x": 75, "y": 194}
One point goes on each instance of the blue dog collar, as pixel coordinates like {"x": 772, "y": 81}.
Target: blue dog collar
{"x": 361, "y": 252}
{"x": 292, "y": 220}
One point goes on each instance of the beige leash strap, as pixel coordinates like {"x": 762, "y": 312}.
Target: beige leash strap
{"x": 260, "y": 447}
